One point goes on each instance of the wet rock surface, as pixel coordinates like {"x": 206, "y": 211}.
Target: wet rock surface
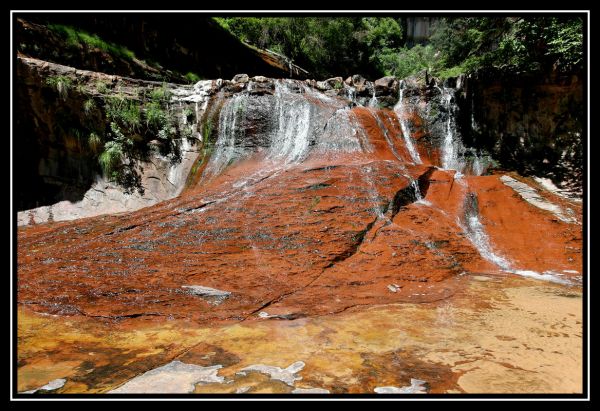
{"x": 491, "y": 336}
{"x": 307, "y": 205}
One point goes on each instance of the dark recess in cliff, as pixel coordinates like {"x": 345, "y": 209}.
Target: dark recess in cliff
{"x": 531, "y": 123}
{"x": 178, "y": 42}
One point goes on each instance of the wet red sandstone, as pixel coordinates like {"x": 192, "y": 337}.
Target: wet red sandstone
{"x": 311, "y": 238}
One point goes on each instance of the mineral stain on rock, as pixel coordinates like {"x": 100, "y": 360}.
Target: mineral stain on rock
{"x": 393, "y": 275}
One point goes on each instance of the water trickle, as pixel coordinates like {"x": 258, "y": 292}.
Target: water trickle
{"x": 290, "y": 140}
{"x": 414, "y": 184}
{"x": 342, "y": 134}
{"x": 384, "y": 130}
{"x": 452, "y": 148}
{"x": 478, "y": 166}
{"x": 399, "y": 109}
{"x": 373, "y": 102}
{"x": 351, "y": 95}
{"x": 476, "y": 234}
{"x": 225, "y": 148}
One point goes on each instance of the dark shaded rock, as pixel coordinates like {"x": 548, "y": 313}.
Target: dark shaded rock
{"x": 386, "y": 86}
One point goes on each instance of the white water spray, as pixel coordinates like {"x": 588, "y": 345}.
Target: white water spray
{"x": 399, "y": 109}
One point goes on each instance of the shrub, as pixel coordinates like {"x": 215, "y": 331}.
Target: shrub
{"x": 89, "y": 106}
{"x": 77, "y": 38}
{"x": 61, "y": 84}
{"x": 189, "y": 114}
{"x": 155, "y": 116}
{"x": 101, "y": 87}
{"x": 94, "y": 142}
{"x": 192, "y": 77}
{"x": 111, "y": 159}
{"x": 124, "y": 112}
{"x": 160, "y": 94}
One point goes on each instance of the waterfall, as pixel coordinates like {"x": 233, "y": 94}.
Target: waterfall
{"x": 399, "y": 109}
{"x": 414, "y": 184}
{"x": 475, "y": 232}
{"x": 342, "y": 134}
{"x": 351, "y": 94}
{"x": 385, "y": 133}
{"x": 477, "y": 235}
{"x": 290, "y": 140}
{"x": 452, "y": 149}
{"x": 373, "y": 102}
{"x": 225, "y": 150}
{"x": 478, "y": 166}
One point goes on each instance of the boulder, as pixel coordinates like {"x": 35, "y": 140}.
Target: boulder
{"x": 311, "y": 83}
{"x": 335, "y": 82}
{"x": 240, "y": 78}
{"x": 386, "y": 86}
{"x": 358, "y": 81}
{"x": 323, "y": 85}
{"x": 259, "y": 79}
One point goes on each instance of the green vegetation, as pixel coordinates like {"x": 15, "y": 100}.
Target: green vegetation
{"x": 326, "y": 46}
{"x": 79, "y": 38}
{"x": 404, "y": 62}
{"x": 111, "y": 159}
{"x": 160, "y": 94}
{"x": 124, "y": 112}
{"x": 373, "y": 46}
{"x": 101, "y": 87}
{"x": 511, "y": 44}
{"x": 155, "y": 115}
{"x": 207, "y": 129}
{"x": 89, "y": 106}
{"x": 134, "y": 120}
{"x": 190, "y": 114}
{"x": 62, "y": 84}
{"x": 192, "y": 77}
{"x": 94, "y": 142}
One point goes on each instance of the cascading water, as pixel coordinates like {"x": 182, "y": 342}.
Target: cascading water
{"x": 478, "y": 166}
{"x": 454, "y": 153}
{"x": 373, "y": 102}
{"x": 351, "y": 95}
{"x": 399, "y": 109}
{"x": 452, "y": 149}
{"x": 385, "y": 132}
{"x": 225, "y": 148}
{"x": 290, "y": 140}
{"x": 418, "y": 195}
{"x": 475, "y": 232}
{"x": 477, "y": 235}
{"x": 342, "y": 133}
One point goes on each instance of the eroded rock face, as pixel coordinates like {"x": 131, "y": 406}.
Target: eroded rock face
{"x": 529, "y": 124}
{"x": 305, "y": 206}
{"x": 302, "y": 205}
{"x": 54, "y": 155}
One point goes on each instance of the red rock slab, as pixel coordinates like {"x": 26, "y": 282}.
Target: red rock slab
{"x": 531, "y": 238}
{"x": 413, "y": 254}
{"x": 259, "y": 242}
